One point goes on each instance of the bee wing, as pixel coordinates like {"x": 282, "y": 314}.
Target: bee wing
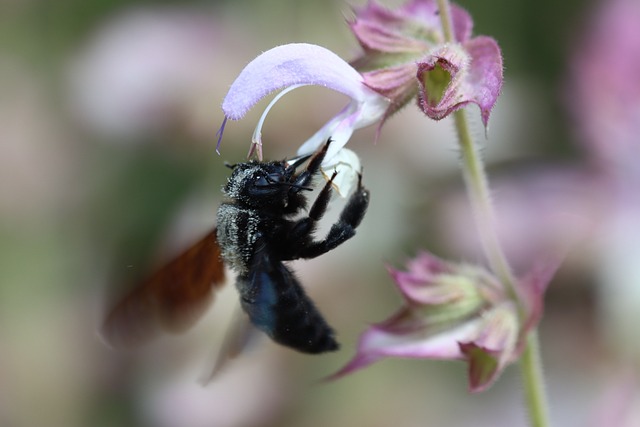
{"x": 171, "y": 300}
{"x": 237, "y": 337}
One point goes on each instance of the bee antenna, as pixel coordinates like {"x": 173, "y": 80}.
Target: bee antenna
{"x": 292, "y": 185}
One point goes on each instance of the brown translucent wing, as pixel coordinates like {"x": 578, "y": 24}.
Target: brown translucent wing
{"x": 170, "y": 300}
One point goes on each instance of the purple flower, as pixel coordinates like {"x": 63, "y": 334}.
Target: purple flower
{"x": 604, "y": 87}
{"x": 298, "y": 64}
{"x": 145, "y": 72}
{"x": 455, "y": 311}
{"x": 604, "y": 97}
{"x": 405, "y": 54}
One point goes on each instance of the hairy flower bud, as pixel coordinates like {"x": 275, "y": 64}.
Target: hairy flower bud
{"x": 454, "y": 311}
{"x": 406, "y": 55}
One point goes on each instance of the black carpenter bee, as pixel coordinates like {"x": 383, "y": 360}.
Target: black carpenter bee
{"x": 257, "y": 231}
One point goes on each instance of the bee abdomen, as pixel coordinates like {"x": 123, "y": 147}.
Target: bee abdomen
{"x": 279, "y": 306}
{"x": 300, "y": 325}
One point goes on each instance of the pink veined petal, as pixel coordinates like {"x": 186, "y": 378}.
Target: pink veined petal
{"x": 377, "y": 343}
{"x": 532, "y": 288}
{"x": 428, "y": 264}
{"x": 485, "y": 75}
{"x": 379, "y": 28}
{"x": 288, "y": 65}
{"x": 484, "y": 366}
{"x": 393, "y": 82}
{"x": 475, "y": 77}
{"x": 373, "y": 36}
{"x": 426, "y": 11}
{"x": 422, "y": 290}
{"x": 493, "y": 347}
{"x": 453, "y": 59}
{"x": 462, "y": 23}
{"x": 413, "y": 26}
{"x": 417, "y": 282}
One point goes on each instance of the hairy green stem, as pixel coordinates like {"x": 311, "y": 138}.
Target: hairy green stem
{"x": 533, "y": 382}
{"x": 477, "y": 185}
{"x": 478, "y": 190}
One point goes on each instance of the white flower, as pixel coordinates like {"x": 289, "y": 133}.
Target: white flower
{"x": 294, "y": 65}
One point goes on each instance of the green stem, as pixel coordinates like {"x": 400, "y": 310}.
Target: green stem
{"x": 477, "y": 185}
{"x": 478, "y": 190}
{"x": 533, "y": 382}
{"x": 445, "y": 19}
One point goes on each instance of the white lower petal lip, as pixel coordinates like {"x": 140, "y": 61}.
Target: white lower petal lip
{"x": 439, "y": 346}
{"x": 356, "y": 115}
{"x": 348, "y": 166}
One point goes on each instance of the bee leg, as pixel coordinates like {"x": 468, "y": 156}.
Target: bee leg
{"x": 304, "y": 178}
{"x": 303, "y": 228}
{"x": 319, "y": 207}
{"x": 356, "y": 207}
{"x": 345, "y": 228}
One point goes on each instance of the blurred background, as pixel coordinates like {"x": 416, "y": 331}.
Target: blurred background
{"x": 108, "y": 115}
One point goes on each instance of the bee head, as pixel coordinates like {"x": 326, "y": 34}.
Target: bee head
{"x": 262, "y": 184}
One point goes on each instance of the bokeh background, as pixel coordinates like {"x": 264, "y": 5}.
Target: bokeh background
{"x": 108, "y": 115}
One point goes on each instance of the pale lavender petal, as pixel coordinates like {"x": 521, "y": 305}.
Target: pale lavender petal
{"x": 288, "y": 65}
{"x": 344, "y": 121}
{"x": 294, "y": 65}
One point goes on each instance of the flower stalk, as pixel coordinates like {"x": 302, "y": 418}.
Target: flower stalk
{"x": 477, "y": 185}
{"x": 532, "y": 380}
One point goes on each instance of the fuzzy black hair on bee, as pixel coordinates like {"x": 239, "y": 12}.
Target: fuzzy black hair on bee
{"x": 257, "y": 233}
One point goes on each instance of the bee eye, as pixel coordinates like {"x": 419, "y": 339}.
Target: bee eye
{"x": 275, "y": 177}
{"x": 262, "y": 181}
{"x": 272, "y": 178}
